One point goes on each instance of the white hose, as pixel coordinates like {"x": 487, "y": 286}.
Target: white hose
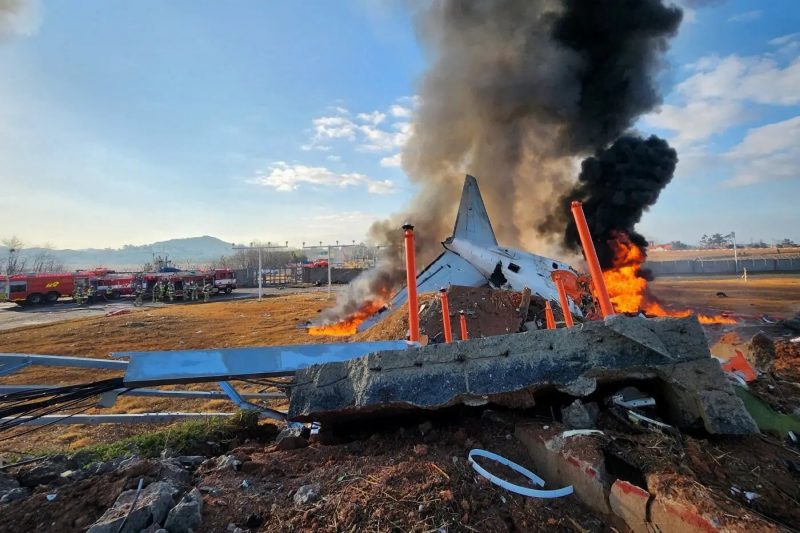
{"x": 535, "y": 493}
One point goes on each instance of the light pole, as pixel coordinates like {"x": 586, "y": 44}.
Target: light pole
{"x": 8, "y": 272}
{"x": 735, "y": 253}
{"x": 330, "y": 263}
{"x": 260, "y": 249}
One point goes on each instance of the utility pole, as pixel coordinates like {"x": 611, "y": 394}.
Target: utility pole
{"x": 735, "y": 253}
{"x": 261, "y": 248}
{"x": 329, "y": 247}
{"x": 8, "y": 272}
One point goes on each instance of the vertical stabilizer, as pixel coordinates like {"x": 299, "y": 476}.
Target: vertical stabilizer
{"x": 472, "y": 222}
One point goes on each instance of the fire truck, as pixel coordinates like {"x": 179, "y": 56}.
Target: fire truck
{"x": 36, "y": 289}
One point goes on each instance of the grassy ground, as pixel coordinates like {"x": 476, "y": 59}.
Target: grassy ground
{"x": 760, "y": 294}
{"x": 272, "y": 322}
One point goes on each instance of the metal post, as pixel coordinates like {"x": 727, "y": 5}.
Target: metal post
{"x": 411, "y": 283}
{"x": 562, "y": 298}
{"x": 446, "y": 326}
{"x": 591, "y": 259}
{"x": 260, "y": 275}
{"x": 548, "y": 315}
{"x": 735, "y": 253}
{"x": 329, "y": 271}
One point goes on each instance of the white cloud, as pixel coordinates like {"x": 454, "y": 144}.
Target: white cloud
{"x": 767, "y": 153}
{"x": 19, "y": 18}
{"x": 788, "y": 44}
{"x": 697, "y": 120}
{"x": 400, "y": 111}
{"x": 391, "y": 161}
{"x": 746, "y": 16}
{"x": 285, "y": 177}
{"x": 336, "y": 127}
{"x": 376, "y": 117}
{"x": 379, "y": 140}
{"x": 334, "y": 157}
{"x": 758, "y": 79}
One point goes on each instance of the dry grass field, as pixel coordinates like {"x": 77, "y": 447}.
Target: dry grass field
{"x": 743, "y": 253}
{"x": 273, "y": 322}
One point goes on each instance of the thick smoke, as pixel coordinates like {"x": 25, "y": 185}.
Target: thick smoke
{"x": 516, "y": 92}
{"x": 616, "y": 186}
{"x": 18, "y": 17}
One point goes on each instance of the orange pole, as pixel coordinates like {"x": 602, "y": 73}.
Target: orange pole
{"x": 548, "y": 315}
{"x": 411, "y": 284}
{"x": 463, "y": 320}
{"x": 448, "y": 331}
{"x": 562, "y": 297}
{"x": 591, "y": 258}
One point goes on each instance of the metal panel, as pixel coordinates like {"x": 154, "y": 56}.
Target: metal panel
{"x": 60, "y": 360}
{"x": 195, "y": 366}
{"x": 140, "y": 418}
{"x": 157, "y": 393}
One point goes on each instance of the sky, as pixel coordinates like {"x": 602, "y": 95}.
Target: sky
{"x": 132, "y": 122}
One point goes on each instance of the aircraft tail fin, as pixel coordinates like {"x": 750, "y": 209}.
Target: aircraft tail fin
{"x": 472, "y": 222}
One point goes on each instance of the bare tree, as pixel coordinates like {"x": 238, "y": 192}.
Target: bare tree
{"x": 15, "y": 262}
{"x": 44, "y": 261}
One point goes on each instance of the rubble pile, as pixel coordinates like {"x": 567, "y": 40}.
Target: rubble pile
{"x": 512, "y": 370}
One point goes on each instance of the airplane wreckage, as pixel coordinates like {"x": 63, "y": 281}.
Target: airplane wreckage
{"x": 329, "y": 383}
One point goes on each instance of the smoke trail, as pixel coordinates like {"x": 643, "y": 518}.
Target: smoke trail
{"x": 616, "y": 186}
{"x": 18, "y": 17}
{"x": 515, "y": 92}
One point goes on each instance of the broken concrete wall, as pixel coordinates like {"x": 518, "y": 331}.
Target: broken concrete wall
{"x": 512, "y": 370}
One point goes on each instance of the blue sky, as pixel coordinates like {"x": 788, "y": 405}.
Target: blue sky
{"x": 132, "y": 122}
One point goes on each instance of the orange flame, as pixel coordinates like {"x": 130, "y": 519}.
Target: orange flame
{"x": 349, "y": 325}
{"x": 628, "y": 289}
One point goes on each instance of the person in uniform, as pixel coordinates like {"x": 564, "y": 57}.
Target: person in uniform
{"x": 156, "y": 291}
{"x": 163, "y": 292}
{"x": 206, "y": 291}
{"x": 139, "y": 292}
{"x": 171, "y": 290}
{"x": 109, "y": 292}
{"x": 90, "y": 294}
{"x": 78, "y": 295}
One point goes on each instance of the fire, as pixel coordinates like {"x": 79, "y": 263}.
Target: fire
{"x": 349, "y": 324}
{"x": 628, "y": 289}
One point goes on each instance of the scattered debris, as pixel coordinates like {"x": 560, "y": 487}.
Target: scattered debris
{"x": 524, "y": 491}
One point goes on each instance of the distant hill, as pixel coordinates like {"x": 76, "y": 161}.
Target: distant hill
{"x": 190, "y": 252}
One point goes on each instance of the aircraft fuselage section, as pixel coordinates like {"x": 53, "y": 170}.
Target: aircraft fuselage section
{"x": 517, "y": 269}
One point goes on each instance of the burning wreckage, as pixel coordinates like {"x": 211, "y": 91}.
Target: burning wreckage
{"x": 655, "y": 374}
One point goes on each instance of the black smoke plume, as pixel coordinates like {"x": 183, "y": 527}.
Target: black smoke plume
{"x": 515, "y": 92}
{"x": 617, "y": 185}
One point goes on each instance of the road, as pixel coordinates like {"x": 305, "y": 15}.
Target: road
{"x": 13, "y": 316}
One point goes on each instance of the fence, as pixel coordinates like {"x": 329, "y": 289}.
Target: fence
{"x": 701, "y": 266}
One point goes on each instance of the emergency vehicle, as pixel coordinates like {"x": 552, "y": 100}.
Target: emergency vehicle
{"x": 36, "y": 289}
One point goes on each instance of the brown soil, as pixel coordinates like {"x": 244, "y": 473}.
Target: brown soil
{"x": 748, "y": 253}
{"x": 777, "y": 296}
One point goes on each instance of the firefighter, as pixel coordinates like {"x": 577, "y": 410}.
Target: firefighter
{"x": 90, "y": 294}
{"x": 163, "y": 291}
{"x": 109, "y": 292}
{"x": 188, "y": 292}
{"x": 139, "y": 291}
{"x": 156, "y": 291}
{"x": 78, "y": 295}
{"x": 206, "y": 291}
{"x": 171, "y": 290}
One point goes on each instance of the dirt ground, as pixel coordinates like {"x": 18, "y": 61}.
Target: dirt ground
{"x": 272, "y": 321}
{"x": 749, "y": 253}
{"x": 772, "y": 295}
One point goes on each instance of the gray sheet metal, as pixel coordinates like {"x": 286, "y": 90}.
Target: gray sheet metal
{"x": 10, "y": 362}
{"x": 139, "y": 418}
{"x": 448, "y": 269}
{"x": 157, "y": 393}
{"x": 195, "y": 366}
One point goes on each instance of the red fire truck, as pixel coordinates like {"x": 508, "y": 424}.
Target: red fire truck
{"x": 35, "y": 289}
